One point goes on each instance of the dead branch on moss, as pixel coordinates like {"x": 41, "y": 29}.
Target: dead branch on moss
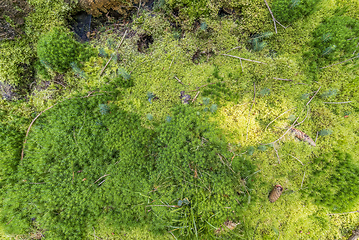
{"x": 253, "y": 102}
{"x": 274, "y": 20}
{"x": 313, "y": 96}
{"x": 330, "y": 214}
{"x": 118, "y": 46}
{"x": 277, "y": 118}
{"x": 297, "y": 159}
{"x": 301, "y": 186}
{"x": 179, "y": 80}
{"x": 28, "y": 130}
{"x": 233, "y": 49}
{"x": 340, "y": 62}
{"x": 308, "y": 110}
{"x": 203, "y": 86}
{"x": 283, "y": 79}
{"x": 276, "y": 152}
{"x": 195, "y": 97}
{"x": 337, "y": 102}
{"x": 243, "y": 58}
{"x": 281, "y": 24}
{"x": 316, "y": 138}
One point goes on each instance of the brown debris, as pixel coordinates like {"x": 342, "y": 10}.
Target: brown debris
{"x": 275, "y": 193}
{"x": 302, "y": 136}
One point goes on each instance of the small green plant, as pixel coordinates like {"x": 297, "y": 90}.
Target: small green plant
{"x": 204, "y": 26}
{"x": 264, "y": 92}
{"x": 57, "y": 49}
{"x": 330, "y": 93}
{"x": 257, "y": 42}
{"x": 213, "y": 108}
{"x": 149, "y": 116}
{"x": 287, "y": 11}
{"x": 325, "y": 132}
{"x": 123, "y": 79}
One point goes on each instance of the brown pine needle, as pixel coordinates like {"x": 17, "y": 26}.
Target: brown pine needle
{"x": 243, "y": 58}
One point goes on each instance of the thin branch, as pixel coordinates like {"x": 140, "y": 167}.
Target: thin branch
{"x": 10, "y": 220}
{"x": 233, "y": 49}
{"x": 340, "y": 62}
{"x": 118, "y": 46}
{"x": 179, "y": 80}
{"x": 278, "y": 117}
{"x": 28, "y": 130}
{"x": 253, "y": 102}
{"x": 301, "y": 186}
{"x": 337, "y": 102}
{"x": 274, "y": 20}
{"x": 330, "y": 214}
{"x": 297, "y": 159}
{"x": 283, "y": 79}
{"x": 313, "y": 96}
{"x": 162, "y": 206}
{"x": 195, "y": 97}
{"x": 281, "y": 24}
{"x": 203, "y": 86}
{"x": 171, "y": 63}
{"x": 276, "y": 152}
{"x": 308, "y": 110}
{"x": 243, "y": 58}
{"x": 101, "y": 177}
{"x": 316, "y": 138}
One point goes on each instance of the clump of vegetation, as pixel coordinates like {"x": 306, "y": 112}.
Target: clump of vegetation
{"x": 257, "y": 42}
{"x": 333, "y": 40}
{"x": 335, "y": 182}
{"x": 287, "y": 11}
{"x": 57, "y": 49}
{"x": 85, "y": 171}
{"x": 194, "y": 179}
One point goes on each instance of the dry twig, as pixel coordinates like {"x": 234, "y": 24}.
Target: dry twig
{"x": 297, "y": 159}
{"x": 118, "y": 46}
{"x": 301, "y": 186}
{"x": 179, "y": 80}
{"x": 277, "y": 118}
{"x": 243, "y": 58}
{"x": 340, "y": 62}
{"x": 195, "y": 97}
{"x": 330, "y": 214}
{"x": 249, "y": 113}
{"x": 313, "y": 96}
{"x": 274, "y": 20}
{"x": 337, "y": 102}
{"x": 283, "y": 79}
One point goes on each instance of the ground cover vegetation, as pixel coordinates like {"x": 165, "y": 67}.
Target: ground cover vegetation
{"x": 176, "y": 119}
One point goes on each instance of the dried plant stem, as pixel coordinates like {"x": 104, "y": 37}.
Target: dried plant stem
{"x": 297, "y": 159}
{"x": 233, "y": 49}
{"x": 203, "y": 86}
{"x": 276, "y": 152}
{"x": 337, "y": 102}
{"x": 281, "y": 24}
{"x": 101, "y": 177}
{"x": 313, "y": 96}
{"x": 171, "y": 63}
{"x": 253, "y": 102}
{"x": 274, "y": 20}
{"x": 243, "y": 58}
{"x": 308, "y": 110}
{"x": 283, "y": 79}
{"x": 330, "y": 214}
{"x": 179, "y": 80}
{"x": 195, "y": 97}
{"x": 28, "y": 130}
{"x": 301, "y": 186}
{"x": 277, "y": 118}
{"x": 118, "y": 46}
{"x": 340, "y": 62}
{"x": 316, "y": 138}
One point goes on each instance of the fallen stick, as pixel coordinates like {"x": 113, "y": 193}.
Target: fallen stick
{"x": 301, "y": 186}
{"x": 297, "y": 159}
{"x": 243, "y": 58}
{"x": 179, "y": 80}
{"x": 277, "y": 118}
{"x": 274, "y": 20}
{"x": 233, "y": 49}
{"x": 195, "y": 97}
{"x": 118, "y": 46}
{"x": 330, "y": 214}
{"x": 276, "y": 152}
{"x": 283, "y": 79}
{"x": 316, "y": 138}
{"x": 313, "y": 96}
{"x": 340, "y": 62}
{"x": 203, "y": 86}
{"x": 337, "y": 102}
